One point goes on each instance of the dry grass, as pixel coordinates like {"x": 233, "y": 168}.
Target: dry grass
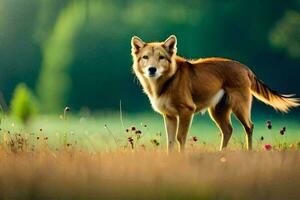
{"x": 125, "y": 174}
{"x": 137, "y": 167}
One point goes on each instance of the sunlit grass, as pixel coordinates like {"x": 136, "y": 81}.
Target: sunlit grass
{"x": 105, "y": 130}
{"x": 93, "y": 157}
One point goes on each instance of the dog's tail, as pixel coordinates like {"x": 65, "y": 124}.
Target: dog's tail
{"x": 270, "y": 97}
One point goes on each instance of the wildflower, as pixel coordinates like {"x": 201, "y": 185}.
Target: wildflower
{"x": 144, "y": 125}
{"x": 268, "y": 147}
{"x": 67, "y": 109}
{"x": 269, "y": 124}
{"x": 282, "y": 131}
{"x": 194, "y": 138}
{"x": 155, "y": 142}
{"x": 262, "y": 138}
{"x": 138, "y": 134}
{"x": 130, "y": 140}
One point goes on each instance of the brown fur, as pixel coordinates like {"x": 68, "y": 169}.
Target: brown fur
{"x": 184, "y": 87}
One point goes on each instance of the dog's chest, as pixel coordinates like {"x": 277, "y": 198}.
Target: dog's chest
{"x": 162, "y": 105}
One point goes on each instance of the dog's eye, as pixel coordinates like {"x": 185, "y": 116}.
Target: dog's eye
{"x": 161, "y": 57}
{"x": 145, "y": 57}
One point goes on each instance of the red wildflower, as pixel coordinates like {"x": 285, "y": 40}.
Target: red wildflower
{"x": 268, "y": 147}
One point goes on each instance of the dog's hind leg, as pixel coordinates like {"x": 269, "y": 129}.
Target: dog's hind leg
{"x": 221, "y": 116}
{"x": 242, "y": 111}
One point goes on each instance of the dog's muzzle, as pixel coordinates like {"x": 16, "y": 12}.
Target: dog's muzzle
{"x": 152, "y": 71}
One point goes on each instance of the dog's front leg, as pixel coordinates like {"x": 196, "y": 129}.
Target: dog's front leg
{"x": 171, "y": 124}
{"x": 183, "y": 128}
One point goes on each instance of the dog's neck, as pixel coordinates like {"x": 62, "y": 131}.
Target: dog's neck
{"x": 154, "y": 88}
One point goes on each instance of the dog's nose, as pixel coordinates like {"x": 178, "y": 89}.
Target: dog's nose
{"x": 152, "y": 70}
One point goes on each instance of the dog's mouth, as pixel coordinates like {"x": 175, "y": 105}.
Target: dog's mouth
{"x": 152, "y": 75}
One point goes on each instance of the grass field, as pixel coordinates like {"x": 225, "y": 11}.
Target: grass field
{"x": 94, "y": 157}
{"x": 99, "y": 132}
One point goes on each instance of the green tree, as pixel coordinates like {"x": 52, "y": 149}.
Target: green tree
{"x": 23, "y": 105}
{"x": 54, "y": 81}
{"x": 286, "y": 34}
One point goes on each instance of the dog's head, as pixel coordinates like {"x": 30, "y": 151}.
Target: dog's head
{"x": 154, "y": 60}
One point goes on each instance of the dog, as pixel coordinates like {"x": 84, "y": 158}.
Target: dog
{"x": 178, "y": 88}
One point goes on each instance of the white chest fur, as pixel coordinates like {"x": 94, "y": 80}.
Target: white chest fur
{"x": 157, "y": 104}
{"x": 162, "y": 105}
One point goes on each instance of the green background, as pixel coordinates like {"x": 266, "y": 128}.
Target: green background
{"x": 77, "y": 52}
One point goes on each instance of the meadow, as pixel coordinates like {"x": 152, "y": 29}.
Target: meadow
{"x": 77, "y": 53}
{"x": 106, "y": 156}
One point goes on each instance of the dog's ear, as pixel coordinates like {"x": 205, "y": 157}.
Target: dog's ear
{"x": 136, "y": 44}
{"x": 170, "y": 44}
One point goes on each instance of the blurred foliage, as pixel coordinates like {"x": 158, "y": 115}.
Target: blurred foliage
{"x": 286, "y": 34}
{"x": 23, "y": 104}
{"x": 77, "y": 53}
{"x": 54, "y": 82}
{"x": 1, "y": 114}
